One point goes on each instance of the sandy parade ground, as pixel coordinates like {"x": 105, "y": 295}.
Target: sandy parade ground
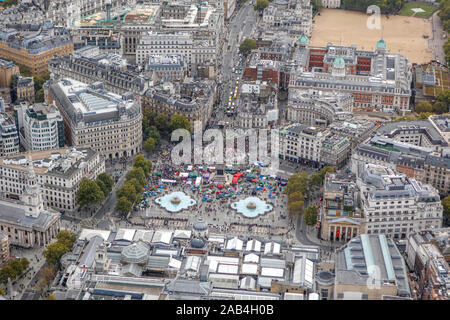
{"x": 402, "y": 34}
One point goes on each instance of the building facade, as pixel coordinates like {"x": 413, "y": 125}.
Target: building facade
{"x": 94, "y": 118}
{"x": 40, "y": 126}
{"x": 58, "y": 172}
{"x": 378, "y": 80}
{"x": 395, "y": 205}
{"x": 34, "y": 51}
{"x": 313, "y": 107}
{"x": 9, "y": 136}
{"x": 27, "y": 222}
{"x": 341, "y": 216}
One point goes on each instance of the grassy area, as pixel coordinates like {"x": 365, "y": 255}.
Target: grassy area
{"x": 429, "y": 10}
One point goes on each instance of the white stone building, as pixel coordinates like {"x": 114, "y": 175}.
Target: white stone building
{"x": 40, "y": 126}
{"x": 59, "y": 172}
{"x": 396, "y": 205}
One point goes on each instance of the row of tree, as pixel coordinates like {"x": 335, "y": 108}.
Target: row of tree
{"x": 13, "y": 269}
{"x": 136, "y": 178}
{"x": 446, "y": 206}
{"x": 92, "y": 192}
{"x": 63, "y": 244}
{"x": 299, "y": 185}
{"x": 155, "y": 126}
{"x": 440, "y": 106}
{"x": 386, "y": 6}
{"x": 444, "y": 14}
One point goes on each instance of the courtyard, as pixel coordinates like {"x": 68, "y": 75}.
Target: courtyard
{"x": 405, "y": 35}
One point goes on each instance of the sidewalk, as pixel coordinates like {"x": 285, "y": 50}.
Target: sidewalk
{"x": 311, "y": 235}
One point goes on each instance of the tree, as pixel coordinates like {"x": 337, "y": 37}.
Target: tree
{"x": 446, "y": 206}
{"x": 102, "y": 187}
{"x": 154, "y": 133}
{"x": 128, "y": 191}
{"x": 50, "y": 297}
{"x": 296, "y": 196}
{"x": 162, "y": 123}
{"x": 89, "y": 193}
{"x": 17, "y": 266}
{"x": 247, "y": 46}
{"x": 39, "y": 96}
{"x": 138, "y": 174}
{"x": 2, "y": 293}
{"x": 107, "y": 180}
{"x": 7, "y": 272}
{"x": 423, "y": 106}
{"x": 295, "y": 208}
{"x": 67, "y": 238}
{"x": 25, "y": 263}
{"x": 149, "y": 144}
{"x": 261, "y": 5}
{"x": 47, "y": 274}
{"x": 298, "y": 182}
{"x": 54, "y": 252}
{"x": 311, "y": 215}
{"x": 145, "y": 165}
{"x": 315, "y": 180}
{"x": 123, "y": 206}
{"x": 137, "y": 186}
{"x": 179, "y": 121}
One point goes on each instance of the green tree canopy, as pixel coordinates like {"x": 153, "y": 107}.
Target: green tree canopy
{"x": 311, "y": 215}
{"x": 17, "y": 266}
{"x": 145, "y": 165}
{"x": 261, "y": 5}
{"x": 247, "y": 46}
{"x": 39, "y": 96}
{"x": 107, "y": 180}
{"x": 102, "y": 187}
{"x": 7, "y": 272}
{"x": 25, "y": 263}
{"x": 128, "y": 191}
{"x": 89, "y": 193}
{"x": 136, "y": 184}
{"x": 423, "y": 106}
{"x": 298, "y": 182}
{"x": 136, "y": 173}
{"x": 446, "y": 206}
{"x": 54, "y": 252}
{"x": 162, "y": 123}
{"x": 124, "y": 206}
{"x": 295, "y": 208}
{"x": 296, "y": 196}
{"x": 154, "y": 133}
{"x": 149, "y": 144}
{"x": 67, "y": 238}
{"x": 179, "y": 121}
{"x": 2, "y": 293}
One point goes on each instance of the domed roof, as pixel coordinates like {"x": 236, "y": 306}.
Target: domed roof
{"x": 325, "y": 276}
{"x": 381, "y": 44}
{"x": 303, "y": 39}
{"x": 200, "y": 225}
{"x": 135, "y": 253}
{"x": 197, "y": 243}
{"x": 339, "y": 62}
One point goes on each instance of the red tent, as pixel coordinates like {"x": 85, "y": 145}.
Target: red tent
{"x": 220, "y": 186}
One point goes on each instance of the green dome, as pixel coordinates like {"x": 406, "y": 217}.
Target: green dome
{"x": 339, "y": 62}
{"x": 303, "y": 39}
{"x": 381, "y": 44}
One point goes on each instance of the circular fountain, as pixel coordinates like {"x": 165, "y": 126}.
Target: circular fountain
{"x": 175, "y": 201}
{"x": 251, "y": 207}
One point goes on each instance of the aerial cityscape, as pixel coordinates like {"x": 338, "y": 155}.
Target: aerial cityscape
{"x": 224, "y": 150}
